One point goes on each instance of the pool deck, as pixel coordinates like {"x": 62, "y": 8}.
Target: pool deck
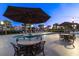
{"x": 53, "y": 47}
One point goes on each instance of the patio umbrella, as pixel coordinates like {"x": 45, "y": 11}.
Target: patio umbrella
{"x": 26, "y": 15}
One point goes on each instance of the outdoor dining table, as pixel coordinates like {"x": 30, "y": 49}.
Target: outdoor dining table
{"x": 27, "y": 46}
{"x": 69, "y": 39}
{"x": 32, "y": 36}
{"x": 28, "y": 43}
{"x": 29, "y": 37}
{"x": 65, "y": 36}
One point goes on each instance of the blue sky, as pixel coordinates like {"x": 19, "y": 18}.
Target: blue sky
{"x": 59, "y": 12}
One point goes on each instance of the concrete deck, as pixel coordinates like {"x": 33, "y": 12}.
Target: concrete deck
{"x": 53, "y": 46}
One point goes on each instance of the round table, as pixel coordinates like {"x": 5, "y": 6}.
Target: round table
{"x": 25, "y": 42}
{"x": 65, "y": 36}
{"x": 32, "y": 36}
{"x": 27, "y": 36}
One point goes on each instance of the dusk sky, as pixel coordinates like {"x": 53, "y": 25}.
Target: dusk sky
{"x": 59, "y": 12}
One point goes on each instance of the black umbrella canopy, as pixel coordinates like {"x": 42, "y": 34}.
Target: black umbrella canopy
{"x": 26, "y": 15}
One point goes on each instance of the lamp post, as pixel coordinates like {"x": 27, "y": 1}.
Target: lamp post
{"x": 73, "y": 25}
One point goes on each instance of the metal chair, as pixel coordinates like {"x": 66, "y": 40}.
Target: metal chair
{"x": 61, "y": 37}
{"x": 18, "y": 51}
{"x": 39, "y": 48}
{"x": 70, "y": 41}
{"x": 25, "y": 50}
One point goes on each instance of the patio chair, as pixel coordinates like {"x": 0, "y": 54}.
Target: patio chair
{"x": 18, "y": 51}
{"x": 39, "y": 48}
{"x": 70, "y": 42}
{"x": 61, "y": 37}
{"x": 71, "y": 39}
{"x": 25, "y": 50}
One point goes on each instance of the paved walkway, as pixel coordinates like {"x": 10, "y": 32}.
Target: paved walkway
{"x": 53, "y": 46}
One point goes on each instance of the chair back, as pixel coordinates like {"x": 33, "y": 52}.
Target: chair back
{"x": 42, "y": 43}
{"x": 14, "y": 46}
{"x": 39, "y": 47}
{"x": 72, "y": 37}
{"x": 61, "y": 36}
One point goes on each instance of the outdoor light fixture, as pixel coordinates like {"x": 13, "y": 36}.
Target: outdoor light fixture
{"x": 74, "y": 26}
{"x": 73, "y": 19}
{"x": 2, "y": 22}
{"x": 32, "y": 26}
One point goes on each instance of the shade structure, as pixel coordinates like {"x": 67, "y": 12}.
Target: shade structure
{"x": 26, "y": 15}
